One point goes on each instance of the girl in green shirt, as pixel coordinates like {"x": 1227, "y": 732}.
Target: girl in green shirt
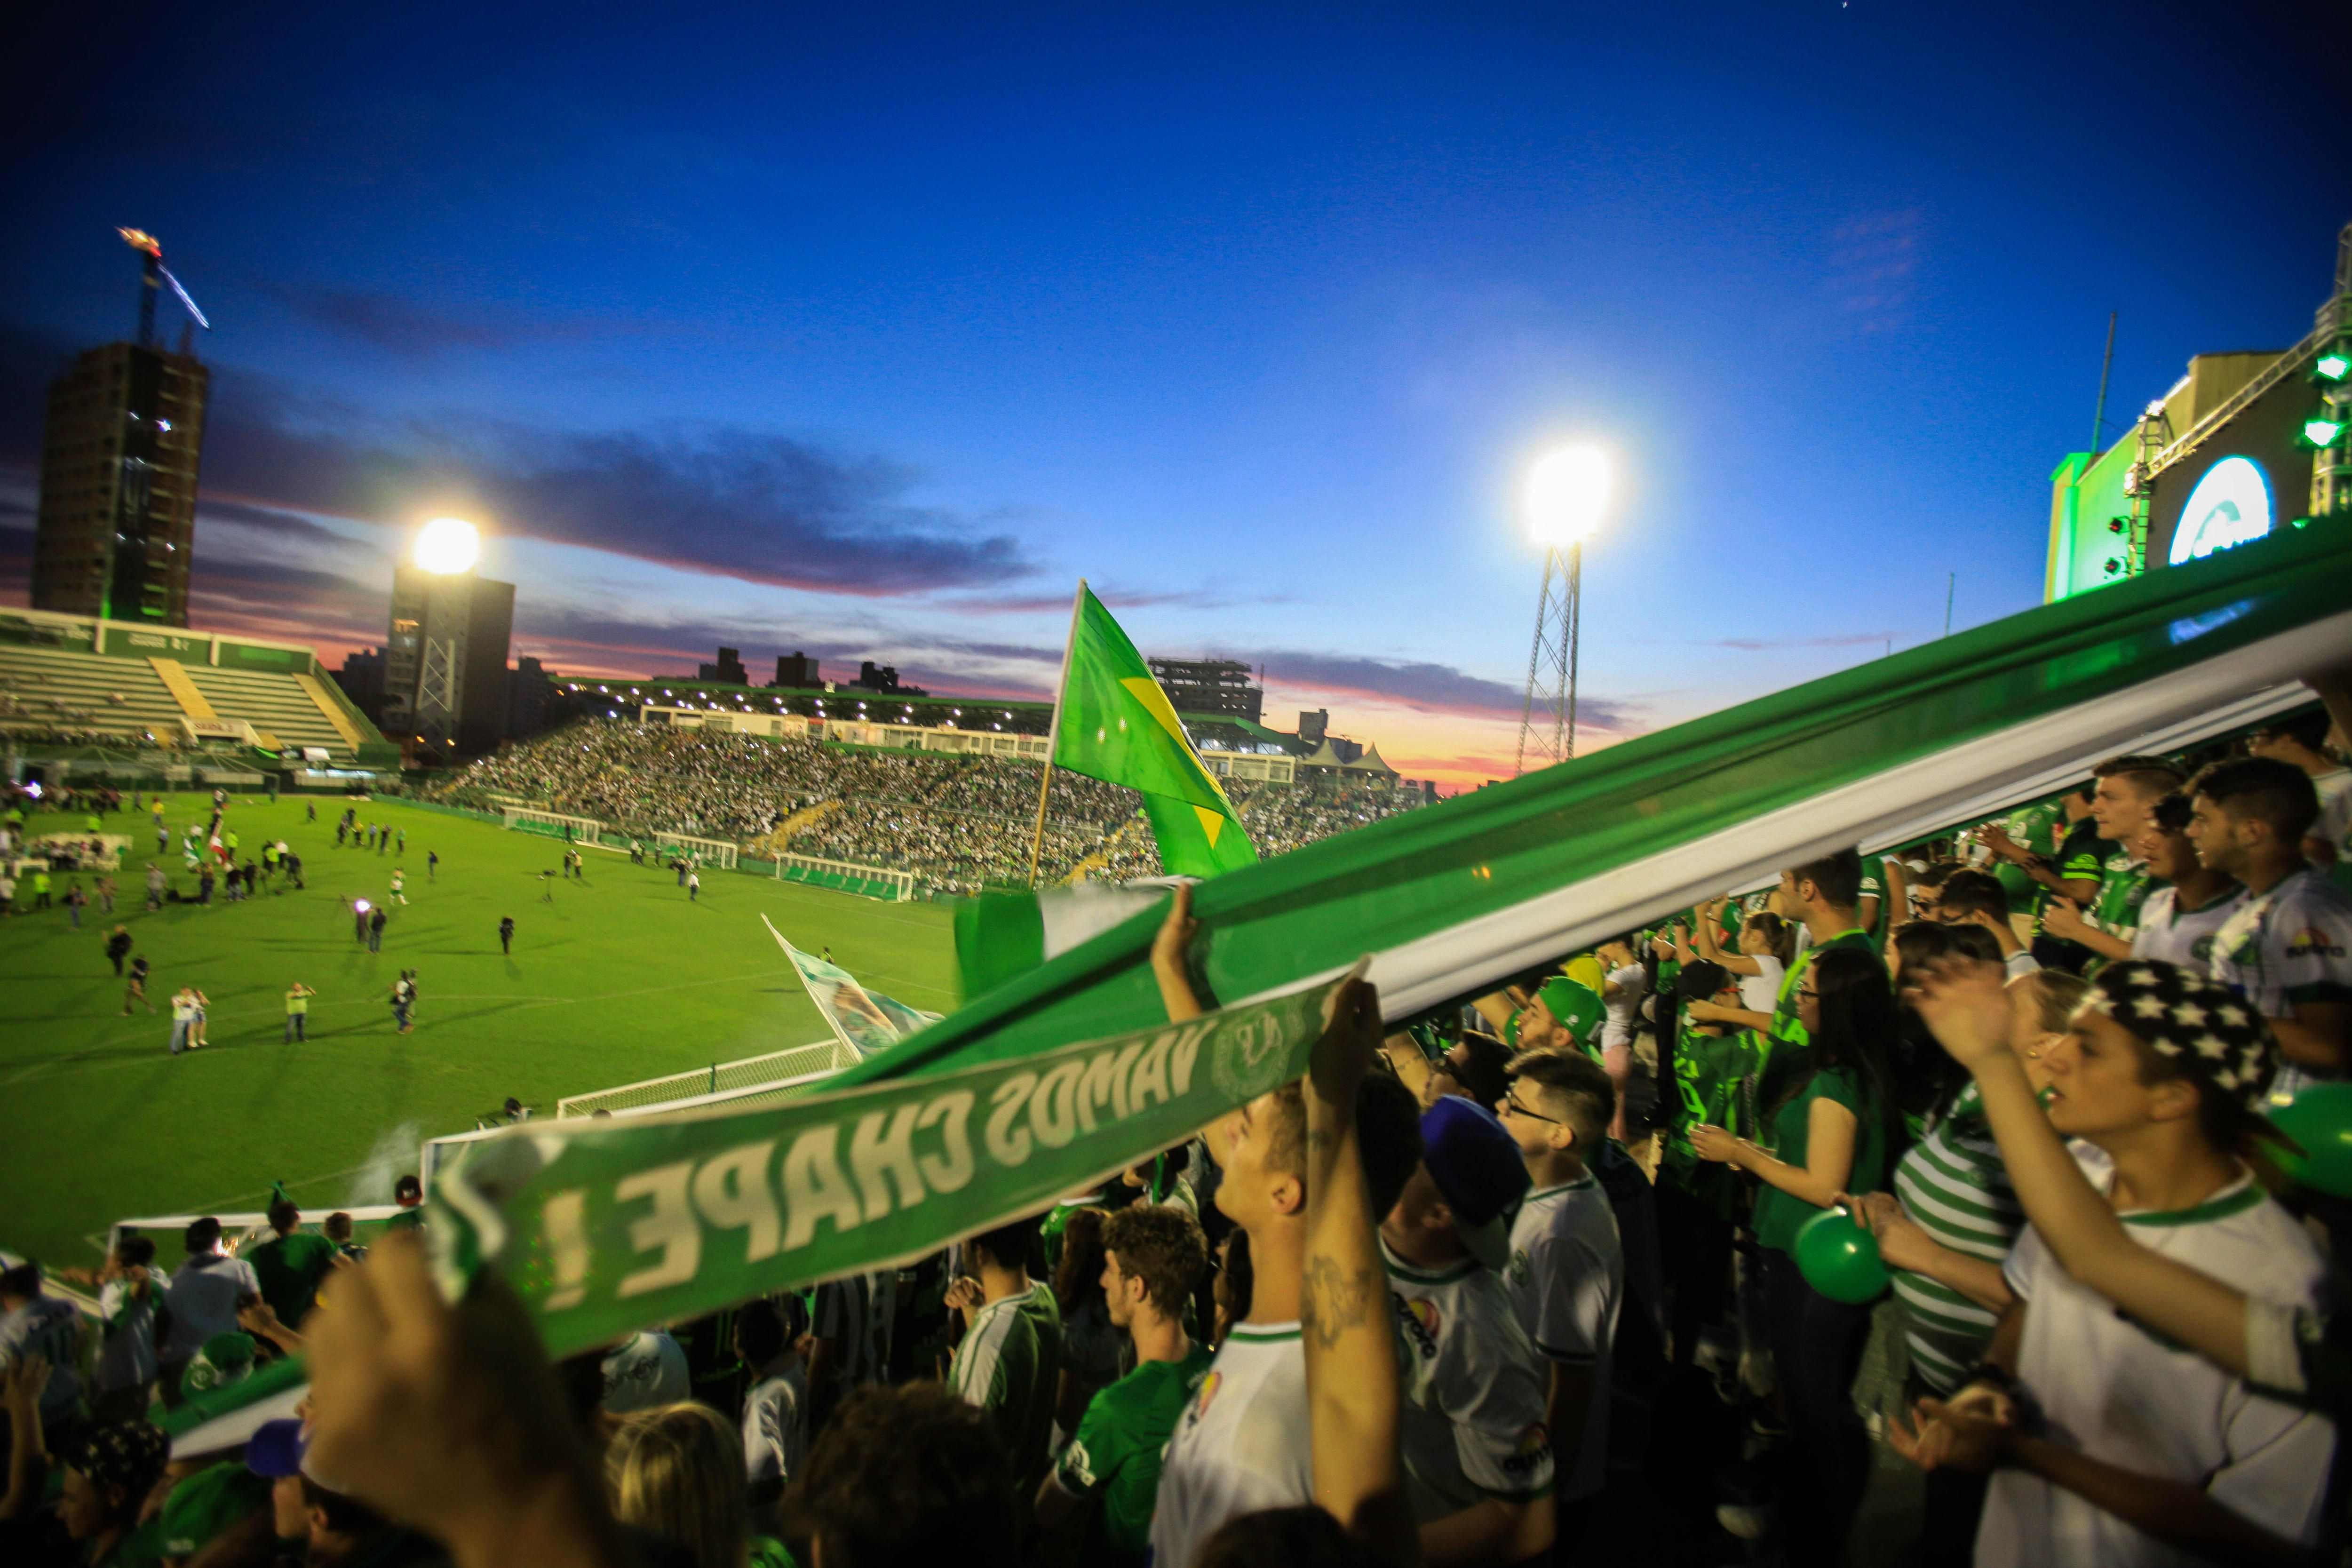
{"x": 1834, "y": 1130}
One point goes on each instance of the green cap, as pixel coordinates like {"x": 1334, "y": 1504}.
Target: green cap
{"x": 1574, "y": 1004}
{"x": 225, "y": 1358}
{"x": 207, "y": 1503}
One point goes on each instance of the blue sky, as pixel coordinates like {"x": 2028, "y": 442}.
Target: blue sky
{"x": 870, "y": 335}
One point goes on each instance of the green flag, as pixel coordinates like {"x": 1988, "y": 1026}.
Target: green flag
{"x": 1195, "y": 841}
{"x": 1112, "y": 722}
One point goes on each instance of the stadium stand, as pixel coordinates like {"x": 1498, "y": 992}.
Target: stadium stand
{"x": 78, "y": 681}
{"x": 956, "y": 822}
{"x": 78, "y": 693}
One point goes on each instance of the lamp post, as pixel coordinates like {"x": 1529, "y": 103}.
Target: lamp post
{"x": 1566, "y": 491}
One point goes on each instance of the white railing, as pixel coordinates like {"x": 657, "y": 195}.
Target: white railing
{"x": 819, "y": 1056}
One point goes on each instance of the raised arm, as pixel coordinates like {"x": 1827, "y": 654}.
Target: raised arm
{"x": 1354, "y": 1391}
{"x": 1964, "y": 1005}
{"x": 1168, "y": 951}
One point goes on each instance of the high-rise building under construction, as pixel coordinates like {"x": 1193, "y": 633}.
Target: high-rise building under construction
{"x": 118, "y": 511}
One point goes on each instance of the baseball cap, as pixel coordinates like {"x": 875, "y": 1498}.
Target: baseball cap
{"x": 1477, "y": 1166}
{"x": 207, "y": 1503}
{"x": 276, "y": 1448}
{"x": 225, "y": 1358}
{"x": 1574, "y": 1004}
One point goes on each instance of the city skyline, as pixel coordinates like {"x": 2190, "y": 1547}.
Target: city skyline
{"x": 869, "y": 337}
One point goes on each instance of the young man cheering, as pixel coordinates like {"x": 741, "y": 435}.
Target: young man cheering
{"x": 2180, "y": 919}
{"x": 2124, "y": 793}
{"x": 1821, "y": 895}
{"x": 1153, "y": 1258}
{"x": 1567, "y": 1271}
{"x": 2110, "y": 1444}
{"x": 2287, "y": 950}
{"x": 1006, "y": 1364}
{"x": 1243, "y": 1444}
{"x": 1477, "y": 1452}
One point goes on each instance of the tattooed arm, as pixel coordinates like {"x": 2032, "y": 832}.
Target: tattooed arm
{"x": 1354, "y": 1390}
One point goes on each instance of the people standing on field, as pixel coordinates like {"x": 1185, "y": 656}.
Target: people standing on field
{"x": 297, "y": 1011}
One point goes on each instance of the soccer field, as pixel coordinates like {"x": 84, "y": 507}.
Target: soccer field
{"x": 619, "y": 978}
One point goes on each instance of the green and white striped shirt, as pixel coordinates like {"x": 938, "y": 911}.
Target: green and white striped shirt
{"x": 1953, "y": 1183}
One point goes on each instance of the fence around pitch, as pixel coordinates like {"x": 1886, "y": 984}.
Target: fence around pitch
{"x": 848, "y": 877}
{"x": 752, "y": 1072}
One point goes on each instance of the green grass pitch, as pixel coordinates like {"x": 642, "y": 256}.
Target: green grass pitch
{"x": 619, "y": 978}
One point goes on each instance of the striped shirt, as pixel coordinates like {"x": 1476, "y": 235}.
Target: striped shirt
{"x": 854, "y": 1316}
{"x": 1953, "y": 1185}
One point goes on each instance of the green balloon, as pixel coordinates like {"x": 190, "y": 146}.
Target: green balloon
{"x": 1840, "y": 1259}
{"x": 2320, "y": 1119}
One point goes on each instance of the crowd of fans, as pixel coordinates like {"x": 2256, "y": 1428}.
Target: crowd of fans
{"x": 1598, "y": 1263}
{"x": 958, "y": 823}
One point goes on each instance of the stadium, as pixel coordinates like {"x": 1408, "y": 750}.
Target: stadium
{"x": 1898, "y": 1112}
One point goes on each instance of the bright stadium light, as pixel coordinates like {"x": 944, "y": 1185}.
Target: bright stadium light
{"x": 448, "y": 545}
{"x": 1566, "y": 490}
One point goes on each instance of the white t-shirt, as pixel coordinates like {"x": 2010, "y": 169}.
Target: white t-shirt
{"x": 1619, "y": 1028}
{"x": 1567, "y": 1282}
{"x": 127, "y": 1356}
{"x": 183, "y": 1007}
{"x": 203, "y": 1298}
{"x": 2110, "y": 1389}
{"x": 2019, "y": 965}
{"x": 2170, "y": 935}
{"x": 775, "y": 1425}
{"x": 1240, "y": 1446}
{"x": 1476, "y": 1392}
{"x": 2335, "y": 824}
{"x": 647, "y": 1368}
{"x": 1760, "y": 991}
{"x": 2291, "y": 944}
{"x": 51, "y": 1329}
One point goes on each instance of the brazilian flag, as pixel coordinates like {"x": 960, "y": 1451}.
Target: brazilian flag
{"x": 1113, "y": 722}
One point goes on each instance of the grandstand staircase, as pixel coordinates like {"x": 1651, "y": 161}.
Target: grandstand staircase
{"x": 332, "y": 711}
{"x": 183, "y": 690}
{"x": 780, "y": 840}
{"x": 1100, "y": 857}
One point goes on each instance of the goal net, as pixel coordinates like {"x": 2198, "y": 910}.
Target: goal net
{"x": 707, "y": 851}
{"x": 555, "y": 824}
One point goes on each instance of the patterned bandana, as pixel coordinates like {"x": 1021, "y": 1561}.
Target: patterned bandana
{"x": 2205, "y": 1027}
{"x": 126, "y": 1454}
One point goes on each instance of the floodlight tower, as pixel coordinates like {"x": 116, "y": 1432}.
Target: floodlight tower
{"x": 1566, "y": 492}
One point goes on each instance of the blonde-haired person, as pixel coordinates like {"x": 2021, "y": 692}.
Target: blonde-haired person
{"x": 677, "y": 1472}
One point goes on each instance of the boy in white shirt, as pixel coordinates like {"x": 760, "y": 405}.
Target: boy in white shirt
{"x": 1567, "y": 1272}
{"x": 2108, "y": 1444}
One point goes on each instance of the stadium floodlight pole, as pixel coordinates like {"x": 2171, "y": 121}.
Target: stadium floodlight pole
{"x": 1566, "y": 492}
{"x": 1054, "y": 730}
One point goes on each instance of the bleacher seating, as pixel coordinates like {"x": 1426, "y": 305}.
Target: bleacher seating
{"x": 273, "y": 704}
{"x": 77, "y": 692}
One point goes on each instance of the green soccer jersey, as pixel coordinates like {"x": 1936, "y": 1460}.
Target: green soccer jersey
{"x": 1709, "y": 1070}
{"x": 1116, "y": 1454}
{"x": 2124, "y": 886}
{"x": 1874, "y": 886}
{"x": 289, "y": 1268}
{"x": 1786, "y": 1027}
{"x": 999, "y": 1368}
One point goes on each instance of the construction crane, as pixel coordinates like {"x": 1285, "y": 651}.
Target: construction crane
{"x": 156, "y": 274}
